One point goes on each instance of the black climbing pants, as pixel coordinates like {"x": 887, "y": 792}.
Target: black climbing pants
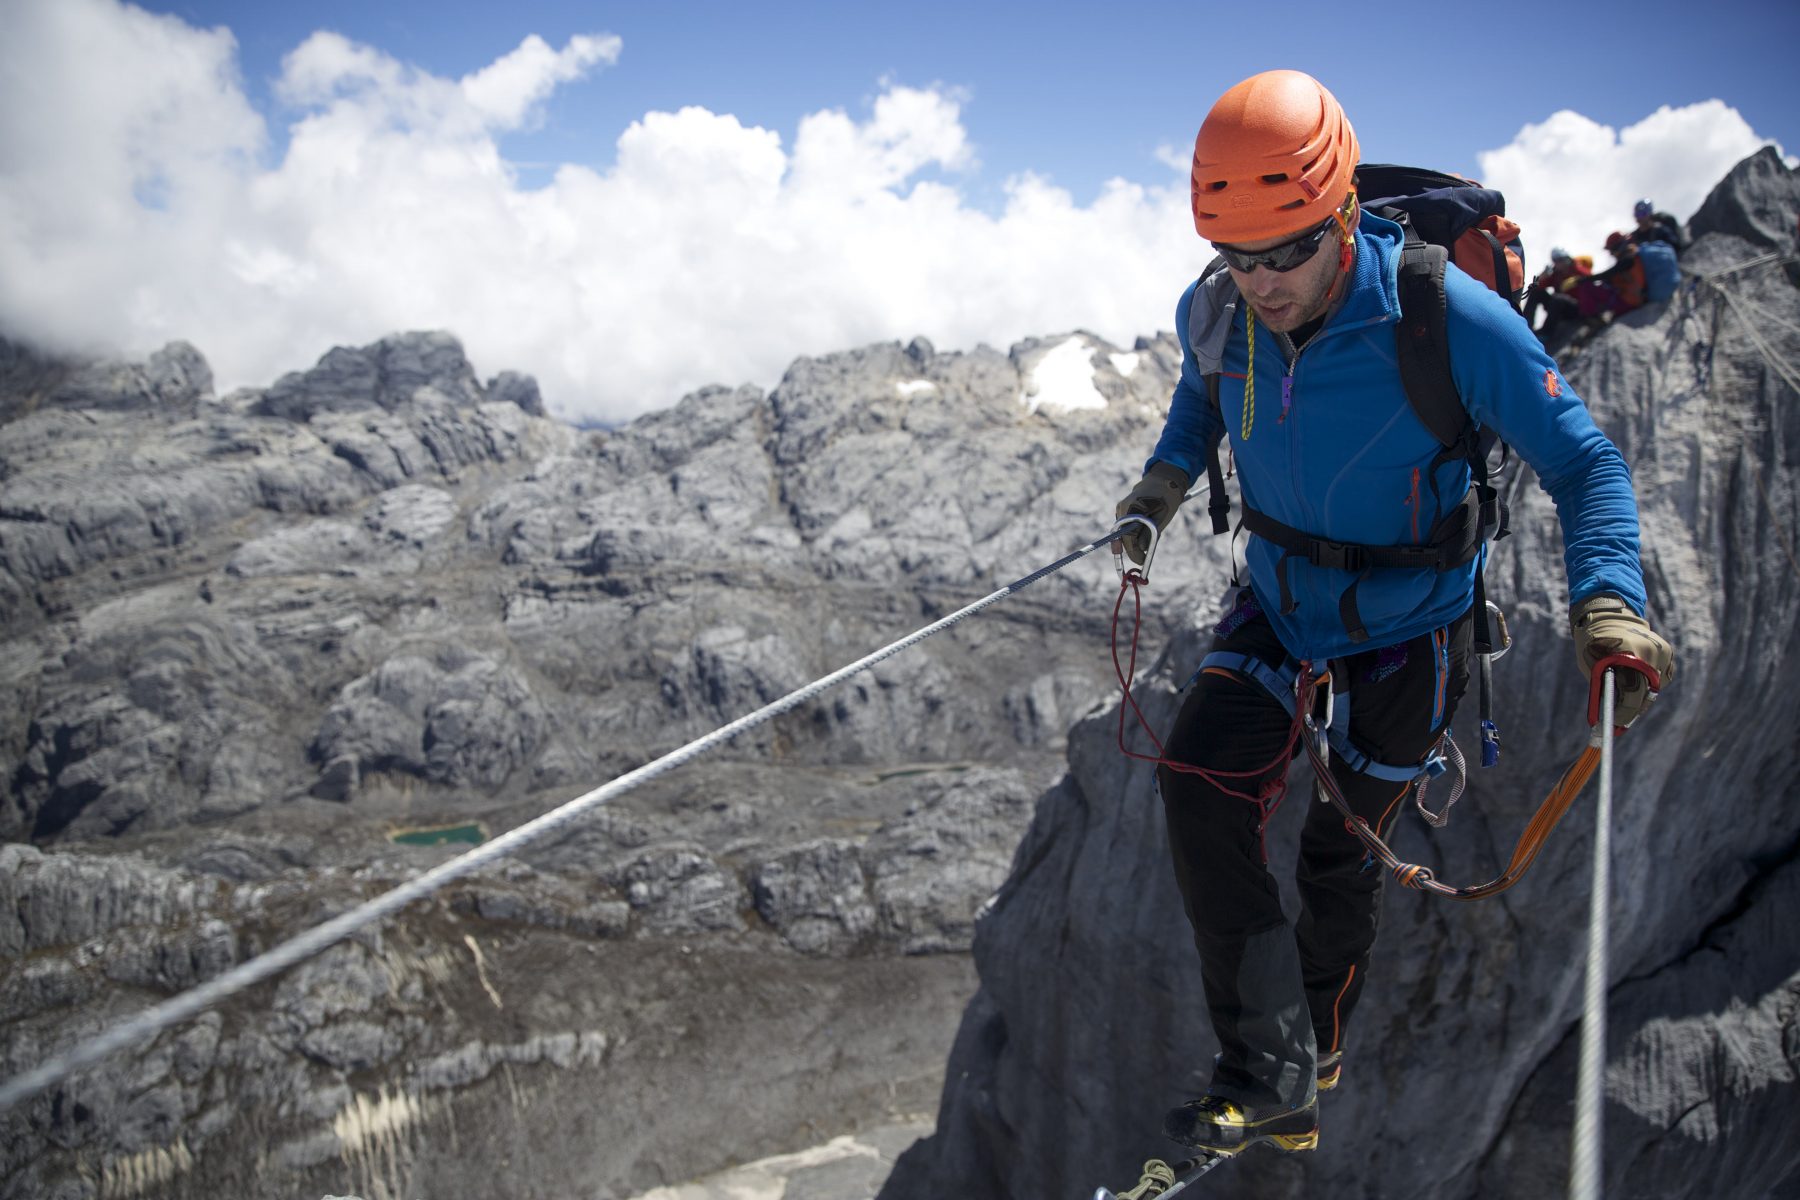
{"x": 1278, "y": 997}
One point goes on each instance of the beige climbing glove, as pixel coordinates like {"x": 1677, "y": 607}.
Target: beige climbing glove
{"x": 1157, "y": 495}
{"x": 1604, "y": 626}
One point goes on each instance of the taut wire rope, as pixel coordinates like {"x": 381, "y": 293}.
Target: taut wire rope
{"x": 1590, "y": 1090}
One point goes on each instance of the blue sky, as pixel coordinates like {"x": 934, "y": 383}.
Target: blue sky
{"x": 633, "y": 201}
{"x": 1080, "y": 93}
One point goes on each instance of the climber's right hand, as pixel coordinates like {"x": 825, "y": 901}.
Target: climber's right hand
{"x": 1157, "y": 495}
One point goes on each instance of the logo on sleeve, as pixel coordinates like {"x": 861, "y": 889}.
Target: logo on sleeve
{"x": 1552, "y": 385}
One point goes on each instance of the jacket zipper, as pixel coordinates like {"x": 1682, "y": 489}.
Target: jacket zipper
{"x": 1293, "y": 441}
{"x": 1287, "y": 400}
{"x": 1287, "y": 379}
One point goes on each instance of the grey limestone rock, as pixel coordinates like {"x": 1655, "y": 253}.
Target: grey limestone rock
{"x": 324, "y": 546}
{"x": 458, "y": 719}
{"x": 27, "y": 377}
{"x": 174, "y": 381}
{"x": 680, "y": 889}
{"x": 816, "y": 896}
{"x": 510, "y": 387}
{"x": 932, "y": 871}
{"x": 49, "y": 900}
{"x": 386, "y": 375}
{"x": 133, "y": 467}
{"x": 1758, "y": 202}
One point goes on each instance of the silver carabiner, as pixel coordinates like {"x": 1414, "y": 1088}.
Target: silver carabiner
{"x": 1497, "y": 622}
{"x": 1118, "y": 547}
{"x": 1321, "y": 734}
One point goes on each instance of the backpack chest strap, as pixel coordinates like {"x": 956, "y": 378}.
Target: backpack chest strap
{"x": 1455, "y": 541}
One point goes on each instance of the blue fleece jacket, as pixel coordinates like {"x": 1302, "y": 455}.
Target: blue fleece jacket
{"x": 1348, "y": 460}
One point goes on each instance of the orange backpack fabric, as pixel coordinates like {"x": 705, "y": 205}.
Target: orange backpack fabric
{"x": 1627, "y": 279}
{"x": 1474, "y": 253}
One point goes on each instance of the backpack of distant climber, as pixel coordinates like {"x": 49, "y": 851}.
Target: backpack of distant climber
{"x": 1662, "y": 271}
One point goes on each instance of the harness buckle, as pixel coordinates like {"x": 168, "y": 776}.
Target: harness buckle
{"x": 1339, "y": 556}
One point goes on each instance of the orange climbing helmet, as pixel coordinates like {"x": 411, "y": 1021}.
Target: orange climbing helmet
{"x": 1275, "y": 156}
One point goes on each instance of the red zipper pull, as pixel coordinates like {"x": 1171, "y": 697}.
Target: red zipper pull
{"x": 1413, "y": 501}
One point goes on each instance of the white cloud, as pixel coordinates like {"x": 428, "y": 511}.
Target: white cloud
{"x": 508, "y": 91}
{"x": 709, "y": 252}
{"x": 139, "y": 203}
{"x": 1569, "y": 181}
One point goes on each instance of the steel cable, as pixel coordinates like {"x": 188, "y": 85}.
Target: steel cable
{"x": 1590, "y": 1091}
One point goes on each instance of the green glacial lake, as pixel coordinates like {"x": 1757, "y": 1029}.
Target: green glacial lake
{"x": 471, "y": 834}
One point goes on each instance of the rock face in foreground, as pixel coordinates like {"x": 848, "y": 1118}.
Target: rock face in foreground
{"x": 1460, "y": 1073}
{"x": 249, "y": 639}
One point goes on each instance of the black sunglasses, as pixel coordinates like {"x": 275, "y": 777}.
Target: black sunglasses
{"x": 1284, "y": 257}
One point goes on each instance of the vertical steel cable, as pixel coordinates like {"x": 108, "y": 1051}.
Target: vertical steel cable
{"x": 1590, "y": 1090}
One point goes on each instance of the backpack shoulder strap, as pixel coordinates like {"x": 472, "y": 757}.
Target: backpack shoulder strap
{"x": 1423, "y": 344}
{"x": 1218, "y": 501}
{"x": 1209, "y": 324}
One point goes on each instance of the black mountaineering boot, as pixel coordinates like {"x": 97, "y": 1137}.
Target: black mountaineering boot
{"x": 1331, "y": 1069}
{"x": 1223, "y": 1126}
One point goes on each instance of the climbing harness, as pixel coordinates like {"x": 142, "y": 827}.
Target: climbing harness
{"x": 1536, "y": 831}
{"x": 137, "y": 1029}
{"x": 1318, "y": 729}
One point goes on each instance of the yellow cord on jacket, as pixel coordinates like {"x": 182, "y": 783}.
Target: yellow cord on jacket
{"x": 1249, "y": 377}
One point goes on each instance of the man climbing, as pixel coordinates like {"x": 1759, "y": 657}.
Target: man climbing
{"x": 1301, "y": 334}
{"x": 1626, "y": 276}
{"x": 1654, "y": 226}
{"x": 1552, "y": 292}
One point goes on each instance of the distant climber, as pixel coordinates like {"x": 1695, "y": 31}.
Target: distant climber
{"x": 1654, "y": 226}
{"x": 1551, "y": 292}
{"x": 1626, "y": 276}
{"x": 1640, "y": 274}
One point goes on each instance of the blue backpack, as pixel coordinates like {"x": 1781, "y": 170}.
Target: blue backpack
{"x": 1661, "y": 271}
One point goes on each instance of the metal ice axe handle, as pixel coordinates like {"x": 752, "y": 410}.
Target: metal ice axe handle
{"x": 1630, "y": 662}
{"x": 1143, "y": 572}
